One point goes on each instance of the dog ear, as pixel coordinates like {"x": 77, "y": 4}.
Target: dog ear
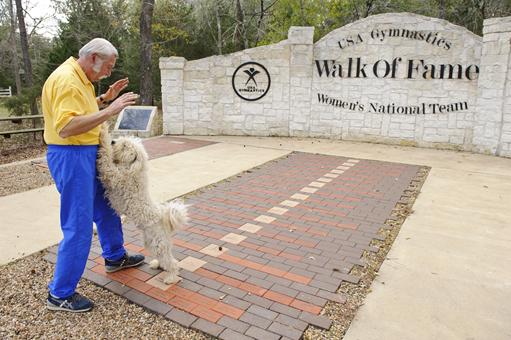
{"x": 137, "y": 165}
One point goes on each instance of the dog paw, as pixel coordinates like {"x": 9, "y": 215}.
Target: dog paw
{"x": 154, "y": 264}
{"x": 171, "y": 278}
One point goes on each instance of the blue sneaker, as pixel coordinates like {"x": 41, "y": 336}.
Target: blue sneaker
{"x": 126, "y": 261}
{"x": 75, "y": 303}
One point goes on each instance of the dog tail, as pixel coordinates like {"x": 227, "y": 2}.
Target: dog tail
{"x": 175, "y": 215}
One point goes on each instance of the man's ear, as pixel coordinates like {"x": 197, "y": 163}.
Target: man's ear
{"x": 94, "y": 57}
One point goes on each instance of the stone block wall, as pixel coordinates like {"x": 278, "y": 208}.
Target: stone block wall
{"x": 492, "y": 130}
{"x": 172, "y": 89}
{"x": 300, "y": 40}
{"x": 380, "y": 86}
{"x": 198, "y": 98}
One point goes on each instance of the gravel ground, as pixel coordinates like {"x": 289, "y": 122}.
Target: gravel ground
{"x": 23, "y": 314}
{"x": 22, "y": 165}
{"x": 23, "y": 176}
{"x": 23, "y": 282}
{"x": 21, "y": 146}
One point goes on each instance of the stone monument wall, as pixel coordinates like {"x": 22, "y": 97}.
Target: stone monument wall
{"x": 391, "y": 78}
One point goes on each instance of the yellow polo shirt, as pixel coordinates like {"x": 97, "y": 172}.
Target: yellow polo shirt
{"x": 68, "y": 93}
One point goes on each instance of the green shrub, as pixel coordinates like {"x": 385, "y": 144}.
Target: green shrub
{"x": 20, "y": 105}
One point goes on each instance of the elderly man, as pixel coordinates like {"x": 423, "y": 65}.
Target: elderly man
{"x": 72, "y": 119}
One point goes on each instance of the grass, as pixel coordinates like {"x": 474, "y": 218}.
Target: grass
{"x": 3, "y": 111}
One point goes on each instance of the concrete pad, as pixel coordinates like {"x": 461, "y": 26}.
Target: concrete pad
{"x": 30, "y": 220}
{"x": 463, "y": 161}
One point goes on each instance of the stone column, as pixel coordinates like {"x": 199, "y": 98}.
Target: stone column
{"x": 301, "y": 44}
{"x": 492, "y": 126}
{"x": 172, "y": 84}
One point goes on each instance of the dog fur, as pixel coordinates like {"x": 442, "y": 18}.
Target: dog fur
{"x": 122, "y": 168}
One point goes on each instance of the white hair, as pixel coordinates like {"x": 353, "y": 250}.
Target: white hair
{"x": 100, "y": 46}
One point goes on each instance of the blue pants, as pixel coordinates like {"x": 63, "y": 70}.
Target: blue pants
{"x": 82, "y": 202}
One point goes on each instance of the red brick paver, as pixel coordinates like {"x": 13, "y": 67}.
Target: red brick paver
{"x": 305, "y": 221}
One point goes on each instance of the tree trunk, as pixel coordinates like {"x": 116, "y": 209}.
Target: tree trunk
{"x": 240, "y": 17}
{"x": 26, "y": 56}
{"x": 219, "y": 31}
{"x": 146, "y": 81}
{"x": 369, "y": 7}
{"x": 302, "y": 13}
{"x": 482, "y": 6}
{"x": 259, "y": 22}
{"x": 24, "y": 44}
{"x": 14, "y": 50}
{"x": 441, "y": 9}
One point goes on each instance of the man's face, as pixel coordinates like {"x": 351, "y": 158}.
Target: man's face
{"x": 102, "y": 67}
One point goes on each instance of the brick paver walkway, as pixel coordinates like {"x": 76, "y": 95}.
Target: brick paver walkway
{"x": 266, "y": 250}
{"x": 166, "y": 145}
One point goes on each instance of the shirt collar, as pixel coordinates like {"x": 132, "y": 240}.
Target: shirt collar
{"x": 78, "y": 69}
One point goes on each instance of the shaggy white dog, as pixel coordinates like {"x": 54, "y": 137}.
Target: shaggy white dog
{"x": 122, "y": 168}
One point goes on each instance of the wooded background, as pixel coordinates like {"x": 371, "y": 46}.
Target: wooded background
{"x": 145, "y": 30}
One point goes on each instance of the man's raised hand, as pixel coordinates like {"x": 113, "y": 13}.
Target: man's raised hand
{"x": 127, "y": 99}
{"x": 115, "y": 89}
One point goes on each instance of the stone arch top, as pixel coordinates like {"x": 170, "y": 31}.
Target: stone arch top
{"x": 412, "y": 33}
